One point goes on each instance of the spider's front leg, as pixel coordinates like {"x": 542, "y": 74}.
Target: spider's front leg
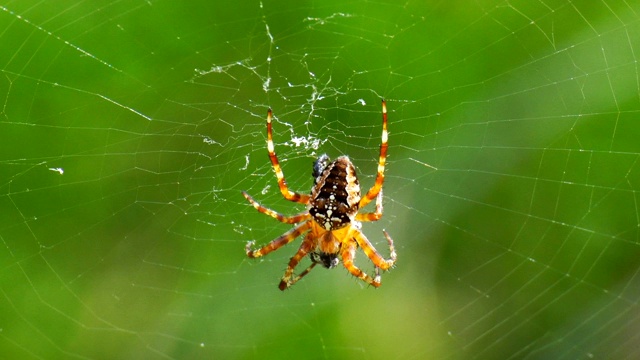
{"x": 372, "y": 253}
{"x": 348, "y": 252}
{"x": 305, "y": 248}
{"x": 278, "y": 242}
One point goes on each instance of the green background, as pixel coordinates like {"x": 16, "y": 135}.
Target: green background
{"x": 129, "y": 128}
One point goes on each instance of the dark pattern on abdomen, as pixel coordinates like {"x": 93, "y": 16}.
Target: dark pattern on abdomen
{"x": 335, "y": 202}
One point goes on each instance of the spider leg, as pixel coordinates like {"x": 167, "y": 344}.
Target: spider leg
{"x": 377, "y": 187}
{"x": 306, "y": 247}
{"x": 282, "y": 184}
{"x": 348, "y": 252}
{"x": 278, "y": 242}
{"x": 374, "y": 216}
{"x": 282, "y": 218}
{"x": 373, "y": 254}
{"x": 302, "y": 274}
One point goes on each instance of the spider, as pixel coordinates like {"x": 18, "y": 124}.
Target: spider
{"x": 331, "y": 221}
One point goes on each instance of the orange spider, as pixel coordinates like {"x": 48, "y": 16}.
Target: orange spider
{"x": 332, "y": 221}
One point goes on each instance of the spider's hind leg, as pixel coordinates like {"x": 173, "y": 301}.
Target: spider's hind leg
{"x": 282, "y": 218}
{"x": 282, "y": 183}
{"x": 374, "y": 216}
{"x": 377, "y": 187}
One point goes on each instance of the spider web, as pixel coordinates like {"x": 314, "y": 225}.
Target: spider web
{"x": 129, "y": 128}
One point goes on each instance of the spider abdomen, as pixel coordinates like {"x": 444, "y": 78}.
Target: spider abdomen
{"x": 336, "y": 194}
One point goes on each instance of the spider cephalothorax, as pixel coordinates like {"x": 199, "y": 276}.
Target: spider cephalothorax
{"x": 331, "y": 221}
{"x": 327, "y": 260}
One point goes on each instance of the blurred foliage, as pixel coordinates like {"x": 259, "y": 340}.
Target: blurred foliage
{"x": 128, "y": 130}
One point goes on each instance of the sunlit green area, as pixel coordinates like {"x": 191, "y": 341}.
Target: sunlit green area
{"x": 128, "y": 130}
